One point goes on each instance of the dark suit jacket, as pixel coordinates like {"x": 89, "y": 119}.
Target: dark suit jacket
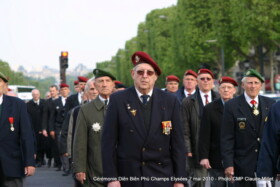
{"x": 138, "y": 152}
{"x": 180, "y": 94}
{"x": 270, "y": 147}
{"x": 36, "y": 114}
{"x": 191, "y": 113}
{"x": 71, "y": 102}
{"x": 209, "y": 137}
{"x": 57, "y": 115}
{"x": 47, "y": 114}
{"x": 240, "y": 136}
{"x": 16, "y": 147}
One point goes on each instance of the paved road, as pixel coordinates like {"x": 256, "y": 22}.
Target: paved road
{"x": 48, "y": 177}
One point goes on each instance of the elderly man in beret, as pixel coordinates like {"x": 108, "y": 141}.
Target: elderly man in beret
{"x": 142, "y": 142}
{"x": 189, "y": 85}
{"x": 209, "y": 137}
{"x": 191, "y": 112}
{"x": 17, "y": 140}
{"x": 241, "y": 132}
{"x": 87, "y": 164}
{"x": 172, "y": 83}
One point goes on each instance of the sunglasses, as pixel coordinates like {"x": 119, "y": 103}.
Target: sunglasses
{"x": 142, "y": 72}
{"x": 205, "y": 78}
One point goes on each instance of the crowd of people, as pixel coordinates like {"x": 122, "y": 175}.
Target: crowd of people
{"x": 108, "y": 135}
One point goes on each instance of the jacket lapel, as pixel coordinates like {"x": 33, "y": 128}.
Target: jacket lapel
{"x": 157, "y": 110}
{"x": 6, "y": 110}
{"x": 134, "y": 111}
{"x": 264, "y": 112}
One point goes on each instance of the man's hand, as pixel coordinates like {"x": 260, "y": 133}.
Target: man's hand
{"x": 52, "y": 134}
{"x": 29, "y": 170}
{"x": 45, "y": 133}
{"x": 177, "y": 184}
{"x": 189, "y": 154}
{"x": 114, "y": 184}
{"x": 65, "y": 154}
{"x": 229, "y": 172}
{"x": 81, "y": 177}
{"x": 205, "y": 163}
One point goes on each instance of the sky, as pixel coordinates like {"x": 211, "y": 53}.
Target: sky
{"x": 34, "y": 32}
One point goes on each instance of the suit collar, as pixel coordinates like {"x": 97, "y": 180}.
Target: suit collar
{"x": 98, "y": 103}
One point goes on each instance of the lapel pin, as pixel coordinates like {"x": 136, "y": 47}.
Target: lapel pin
{"x": 133, "y": 112}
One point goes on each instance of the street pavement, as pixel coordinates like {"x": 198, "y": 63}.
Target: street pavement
{"x": 48, "y": 177}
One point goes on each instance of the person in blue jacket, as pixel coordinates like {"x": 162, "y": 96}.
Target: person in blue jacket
{"x": 16, "y": 139}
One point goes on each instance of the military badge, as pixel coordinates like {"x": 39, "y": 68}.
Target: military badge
{"x": 133, "y": 112}
{"x": 265, "y": 120}
{"x": 128, "y": 106}
{"x": 166, "y": 127}
{"x": 256, "y": 111}
{"x": 96, "y": 127}
{"x": 137, "y": 59}
{"x": 11, "y": 120}
{"x": 242, "y": 125}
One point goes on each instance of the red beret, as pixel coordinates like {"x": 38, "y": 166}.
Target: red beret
{"x": 142, "y": 57}
{"x": 76, "y": 82}
{"x": 227, "y": 80}
{"x": 172, "y": 78}
{"x": 82, "y": 79}
{"x": 62, "y": 85}
{"x": 118, "y": 82}
{"x": 203, "y": 71}
{"x": 191, "y": 72}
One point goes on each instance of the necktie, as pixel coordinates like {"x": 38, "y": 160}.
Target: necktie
{"x": 145, "y": 98}
{"x": 206, "y": 99}
{"x": 253, "y": 102}
{"x": 106, "y": 102}
{"x": 189, "y": 94}
{"x": 255, "y": 110}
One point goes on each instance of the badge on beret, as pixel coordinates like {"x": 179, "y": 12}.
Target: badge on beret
{"x": 166, "y": 127}
{"x": 137, "y": 59}
{"x": 242, "y": 125}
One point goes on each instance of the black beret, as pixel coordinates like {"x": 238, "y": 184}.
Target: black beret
{"x": 100, "y": 73}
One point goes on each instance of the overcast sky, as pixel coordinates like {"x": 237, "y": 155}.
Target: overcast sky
{"x": 34, "y": 32}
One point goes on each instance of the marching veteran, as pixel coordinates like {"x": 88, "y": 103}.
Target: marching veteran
{"x": 87, "y": 164}
{"x": 209, "y": 138}
{"x": 16, "y": 139}
{"x": 242, "y": 127}
{"x": 172, "y": 83}
{"x": 142, "y": 137}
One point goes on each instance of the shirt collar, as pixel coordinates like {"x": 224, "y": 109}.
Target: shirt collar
{"x": 103, "y": 100}
{"x": 248, "y": 99}
{"x": 1, "y": 99}
{"x": 140, "y": 94}
{"x": 203, "y": 98}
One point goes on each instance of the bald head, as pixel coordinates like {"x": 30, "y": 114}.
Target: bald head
{"x": 35, "y": 94}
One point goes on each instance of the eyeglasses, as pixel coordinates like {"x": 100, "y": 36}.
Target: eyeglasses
{"x": 205, "y": 78}
{"x": 148, "y": 72}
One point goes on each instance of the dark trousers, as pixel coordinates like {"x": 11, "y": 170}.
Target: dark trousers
{"x": 56, "y": 147}
{"x": 9, "y": 181}
{"x": 197, "y": 173}
{"x": 218, "y": 179}
{"x": 41, "y": 147}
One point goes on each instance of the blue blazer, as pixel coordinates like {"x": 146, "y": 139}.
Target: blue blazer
{"x": 268, "y": 164}
{"x": 16, "y": 147}
{"x": 128, "y": 149}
